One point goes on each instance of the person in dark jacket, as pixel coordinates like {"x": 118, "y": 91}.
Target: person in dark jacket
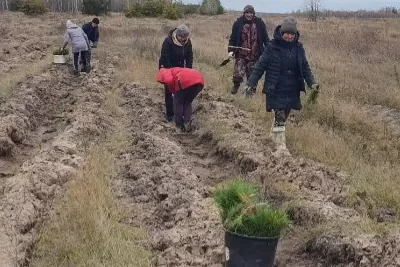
{"x": 249, "y": 32}
{"x": 285, "y": 64}
{"x": 176, "y": 51}
{"x": 92, "y": 31}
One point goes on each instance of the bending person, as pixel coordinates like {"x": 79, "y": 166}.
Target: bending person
{"x": 185, "y": 84}
{"x": 176, "y": 51}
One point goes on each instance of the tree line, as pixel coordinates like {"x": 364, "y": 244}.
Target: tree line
{"x": 129, "y": 7}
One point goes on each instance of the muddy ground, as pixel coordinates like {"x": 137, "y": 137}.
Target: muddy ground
{"x": 169, "y": 175}
{"x": 46, "y": 126}
{"x": 165, "y": 176}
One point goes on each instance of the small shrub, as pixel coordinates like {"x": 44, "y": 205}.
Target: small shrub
{"x": 16, "y": 5}
{"x": 96, "y": 7}
{"x": 242, "y": 212}
{"x": 134, "y": 11}
{"x": 189, "y": 9}
{"x": 172, "y": 11}
{"x": 154, "y": 8}
{"x": 211, "y": 7}
{"x": 34, "y": 7}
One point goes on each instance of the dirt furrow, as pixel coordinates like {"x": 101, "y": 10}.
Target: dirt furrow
{"x": 168, "y": 176}
{"x": 64, "y": 114}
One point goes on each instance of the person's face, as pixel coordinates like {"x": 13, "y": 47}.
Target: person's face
{"x": 182, "y": 39}
{"x": 249, "y": 15}
{"x": 94, "y": 24}
{"x": 288, "y": 37}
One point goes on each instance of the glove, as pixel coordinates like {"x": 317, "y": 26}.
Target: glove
{"x": 315, "y": 86}
{"x": 94, "y": 45}
{"x": 231, "y": 55}
{"x": 248, "y": 90}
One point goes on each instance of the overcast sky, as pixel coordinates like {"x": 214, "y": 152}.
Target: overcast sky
{"x": 281, "y": 6}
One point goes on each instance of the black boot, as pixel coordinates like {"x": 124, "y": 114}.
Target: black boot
{"x": 180, "y": 126}
{"x": 235, "y": 88}
{"x": 188, "y": 126}
{"x": 169, "y": 117}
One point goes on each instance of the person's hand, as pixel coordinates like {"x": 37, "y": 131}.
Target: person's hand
{"x": 230, "y": 55}
{"x": 315, "y": 86}
{"x": 94, "y": 45}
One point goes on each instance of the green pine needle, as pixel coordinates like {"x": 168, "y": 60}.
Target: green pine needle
{"x": 242, "y": 213}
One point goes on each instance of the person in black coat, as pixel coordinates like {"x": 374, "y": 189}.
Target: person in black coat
{"x": 250, "y": 32}
{"x": 176, "y": 51}
{"x": 285, "y": 64}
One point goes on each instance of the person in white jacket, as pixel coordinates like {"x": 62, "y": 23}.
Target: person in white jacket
{"x": 80, "y": 45}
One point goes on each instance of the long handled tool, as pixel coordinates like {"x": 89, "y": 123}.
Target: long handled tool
{"x": 226, "y": 61}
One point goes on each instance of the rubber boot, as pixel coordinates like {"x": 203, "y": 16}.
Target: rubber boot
{"x": 278, "y": 136}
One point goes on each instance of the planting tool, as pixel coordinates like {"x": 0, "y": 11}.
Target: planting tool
{"x": 238, "y": 47}
{"x": 226, "y": 61}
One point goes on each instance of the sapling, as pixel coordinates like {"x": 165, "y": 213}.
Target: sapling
{"x": 243, "y": 213}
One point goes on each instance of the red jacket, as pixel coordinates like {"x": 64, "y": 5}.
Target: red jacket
{"x": 176, "y": 78}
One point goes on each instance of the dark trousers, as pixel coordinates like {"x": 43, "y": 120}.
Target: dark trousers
{"x": 281, "y": 115}
{"x": 88, "y": 57}
{"x": 183, "y": 103}
{"x": 169, "y": 102}
{"x": 83, "y": 59}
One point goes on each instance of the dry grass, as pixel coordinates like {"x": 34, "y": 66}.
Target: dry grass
{"x": 356, "y": 62}
{"x": 85, "y": 228}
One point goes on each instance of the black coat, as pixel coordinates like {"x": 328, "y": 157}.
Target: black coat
{"x": 284, "y": 79}
{"x": 173, "y": 55}
{"x": 236, "y": 36}
{"x": 91, "y": 32}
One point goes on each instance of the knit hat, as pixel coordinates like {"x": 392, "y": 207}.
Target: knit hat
{"x": 289, "y": 25}
{"x": 70, "y": 24}
{"x": 249, "y": 8}
{"x": 182, "y": 31}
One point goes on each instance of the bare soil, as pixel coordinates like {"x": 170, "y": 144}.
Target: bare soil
{"x": 55, "y": 117}
{"x": 165, "y": 177}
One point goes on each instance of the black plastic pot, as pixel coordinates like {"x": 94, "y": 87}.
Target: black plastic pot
{"x": 246, "y": 251}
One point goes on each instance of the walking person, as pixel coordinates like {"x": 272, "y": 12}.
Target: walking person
{"x": 285, "y": 64}
{"x": 92, "y": 31}
{"x": 185, "y": 84}
{"x": 250, "y": 33}
{"x": 176, "y": 51}
{"x": 80, "y": 45}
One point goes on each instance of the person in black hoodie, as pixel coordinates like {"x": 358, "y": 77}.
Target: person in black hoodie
{"x": 176, "y": 51}
{"x": 249, "y": 32}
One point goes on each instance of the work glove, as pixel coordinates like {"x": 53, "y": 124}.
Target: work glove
{"x": 94, "y": 45}
{"x": 248, "y": 90}
{"x": 315, "y": 87}
{"x": 231, "y": 55}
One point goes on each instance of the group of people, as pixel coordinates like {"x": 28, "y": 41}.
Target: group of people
{"x": 82, "y": 41}
{"x": 282, "y": 59}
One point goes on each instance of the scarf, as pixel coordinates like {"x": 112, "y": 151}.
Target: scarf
{"x": 175, "y": 40}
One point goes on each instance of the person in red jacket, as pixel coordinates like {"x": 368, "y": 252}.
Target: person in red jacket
{"x": 185, "y": 84}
